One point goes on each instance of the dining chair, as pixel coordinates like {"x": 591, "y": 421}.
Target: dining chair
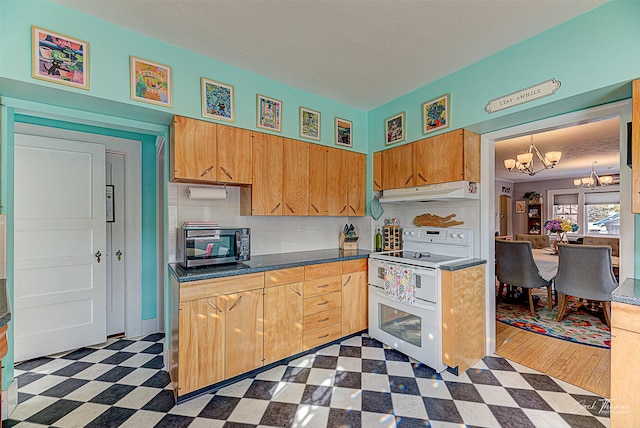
{"x": 537, "y": 241}
{"x": 515, "y": 267}
{"x": 585, "y": 271}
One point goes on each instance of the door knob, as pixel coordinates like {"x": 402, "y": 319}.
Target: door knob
{"x": 98, "y": 255}
{"x": 119, "y": 255}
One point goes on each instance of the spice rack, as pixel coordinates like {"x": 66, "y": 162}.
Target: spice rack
{"x": 391, "y": 238}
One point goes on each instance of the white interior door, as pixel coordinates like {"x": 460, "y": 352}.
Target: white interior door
{"x": 116, "y": 253}
{"x": 60, "y": 265}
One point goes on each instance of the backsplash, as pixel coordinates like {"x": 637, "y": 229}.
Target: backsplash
{"x": 269, "y": 235}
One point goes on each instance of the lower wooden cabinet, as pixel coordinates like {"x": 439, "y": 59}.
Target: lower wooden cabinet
{"x": 244, "y": 347}
{"x": 625, "y": 354}
{"x": 355, "y": 303}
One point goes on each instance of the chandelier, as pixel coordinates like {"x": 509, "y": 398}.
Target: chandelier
{"x": 525, "y": 161}
{"x": 593, "y": 180}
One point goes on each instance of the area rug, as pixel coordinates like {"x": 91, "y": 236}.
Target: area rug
{"x": 577, "y": 326}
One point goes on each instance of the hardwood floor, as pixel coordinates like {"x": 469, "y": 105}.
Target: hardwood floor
{"x": 585, "y": 366}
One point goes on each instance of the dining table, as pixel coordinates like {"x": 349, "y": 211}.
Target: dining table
{"x": 546, "y": 259}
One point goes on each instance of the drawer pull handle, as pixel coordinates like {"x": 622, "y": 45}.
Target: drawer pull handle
{"x": 206, "y": 171}
{"x": 324, "y": 320}
{"x": 323, "y": 286}
{"x": 352, "y": 209}
{"x": 348, "y": 280}
{"x": 225, "y": 171}
{"x": 323, "y": 303}
{"x": 276, "y": 207}
{"x": 375, "y": 183}
{"x": 296, "y": 291}
{"x": 323, "y": 336}
{"x": 408, "y": 179}
{"x": 314, "y": 207}
{"x": 235, "y": 304}
{"x": 421, "y": 177}
{"x": 214, "y": 307}
{"x": 343, "y": 208}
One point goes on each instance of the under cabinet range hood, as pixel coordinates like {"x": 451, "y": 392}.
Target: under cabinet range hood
{"x": 451, "y": 191}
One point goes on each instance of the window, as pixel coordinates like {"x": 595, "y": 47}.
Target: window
{"x": 595, "y": 212}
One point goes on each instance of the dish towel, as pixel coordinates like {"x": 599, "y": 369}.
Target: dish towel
{"x": 400, "y": 283}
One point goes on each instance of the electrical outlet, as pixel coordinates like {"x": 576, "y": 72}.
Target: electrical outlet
{"x": 302, "y": 231}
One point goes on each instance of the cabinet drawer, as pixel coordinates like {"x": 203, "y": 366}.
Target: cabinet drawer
{"x": 215, "y": 287}
{"x": 352, "y": 266}
{"x": 321, "y": 303}
{"x": 322, "y": 286}
{"x": 274, "y": 278}
{"x": 322, "y": 270}
{"x": 321, "y": 336}
{"x": 322, "y": 319}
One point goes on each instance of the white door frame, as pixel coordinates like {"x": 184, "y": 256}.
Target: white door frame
{"x": 132, "y": 151}
{"x": 487, "y": 202}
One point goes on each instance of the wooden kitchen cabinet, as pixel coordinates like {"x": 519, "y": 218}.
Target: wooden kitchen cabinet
{"x": 193, "y": 148}
{"x": 295, "y": 188}
{"x": 397, "y": 167}
{"x": 625, "y": 354}
{"x": 264, "y": 197}
{"x": 447, "y": 157}
{"x": 234, "y": 155}
{"x": 283, "y": 313}
{"x": 356, "y": 183}
{"x": 337, "y": 182}
{"x": 377, "y": 171}
{"x": 355, "y": 302}
{"x": 317, "y": 180}
{"x": 244, "y": 347}
{"x": 322, "y": 304}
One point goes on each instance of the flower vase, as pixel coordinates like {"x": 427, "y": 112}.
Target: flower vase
{"x": 560, "y": 237}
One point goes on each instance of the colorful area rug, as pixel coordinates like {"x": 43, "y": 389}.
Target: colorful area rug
{"x": 577, "y": 326}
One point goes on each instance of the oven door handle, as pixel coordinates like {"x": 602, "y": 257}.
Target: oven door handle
{"x": 425, "y": 272}
{"x": 420, "y": 303}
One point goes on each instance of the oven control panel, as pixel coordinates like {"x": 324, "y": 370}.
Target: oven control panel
{"x": 437, "y": 235}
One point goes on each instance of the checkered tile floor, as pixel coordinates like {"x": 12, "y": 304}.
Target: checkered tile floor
{"x": 358, "y": 383}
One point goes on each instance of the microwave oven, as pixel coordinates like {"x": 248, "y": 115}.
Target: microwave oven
{"x": 213, "y": 246}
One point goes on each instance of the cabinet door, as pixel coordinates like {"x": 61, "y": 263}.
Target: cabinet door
{"x": 317, "y": 180}
{"x": 397, "y": 167}
{"x": 337, "y": 183}
{"x": 266, "y": 192}
{"x": 377, "y": 171}
{"x": 201, "y": 344}
{"x": 244, "y": 344}
{"x": 282, "y": 321}
{"x": 234, "y": 155}
{"x": 357, "y": 180}
{"x": 440, "y": 159}
{"x": 295, "y": 178}
{"x": 193, "y": 150}
{"x": 354, "y": 297}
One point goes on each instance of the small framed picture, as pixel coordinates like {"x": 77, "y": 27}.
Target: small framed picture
{"x": 217, "y": 100}
{"x": 394, "y": 129}
{"x": 521, "y": 207}
{"x": 344, "y": 132}
{"x": 150, "y": 82}
{"x": 309, "y": 123}
{"x": 269, "y": 113}
{"x": 59, "y": 58}
{"x": 110, "y": 204}
{"x": 435, "y": 114}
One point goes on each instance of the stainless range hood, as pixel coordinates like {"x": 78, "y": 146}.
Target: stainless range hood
{"x": 455, "y": 190}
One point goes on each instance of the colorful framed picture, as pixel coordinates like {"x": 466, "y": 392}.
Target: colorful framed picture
{"x": 217, "y": 100}
{"x": 269, "y": 113}
{"x": 59, "y": 58}
{"x": 309, "y": 123}
{"x": 435, "y": 114}
{"x": 150, "y": 82}
{"x": 394, "y": 129}
{"x": 344, "y": 132}
{"x": 521, "y": 206}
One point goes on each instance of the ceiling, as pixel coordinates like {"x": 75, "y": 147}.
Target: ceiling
{"x": 597, "y": 141}
{"x": 363, "y": 53}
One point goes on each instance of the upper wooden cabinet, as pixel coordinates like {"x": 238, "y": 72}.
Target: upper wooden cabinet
{"x": 397, "y": 167}
{"x": 439, "y": 159}
{"x": 234, "y": 155}
{"x": 193, "y": 150}
{"x": 265, "y": 195}
{"x": 377, "y": 171}
{"x": 295, "y": 186}
{"x": 357, "y": 181}
{"x": 337, "y": 182}
{"x": 317, "y": 180}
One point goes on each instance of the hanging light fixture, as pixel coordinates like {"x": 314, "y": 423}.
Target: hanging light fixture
{"x": 593, "y": 180}
{"x": 524, "y": 162}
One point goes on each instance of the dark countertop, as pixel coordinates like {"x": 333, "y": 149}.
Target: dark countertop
{"x": 627, "y": 292}
{"x": 5, "y": 308}
{"x": 266, "y": 262}
{"x": 464, "y": 264}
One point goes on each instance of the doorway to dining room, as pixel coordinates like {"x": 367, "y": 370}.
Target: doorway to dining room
{"x": 579, "y": 364}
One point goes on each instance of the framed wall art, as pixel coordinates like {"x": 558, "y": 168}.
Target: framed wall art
{"x": 59, "y": 58}
{"x": 394, "y": 128}
{"x": 217, "y": 100}
{"x": 344, "y": 132}
{"x": 309, "y": 123}
{"x": 269, "y": 113}
{"x": 435, "y": 114}
{"x": 150, "y": 82}
{"x": 521, "y": 207}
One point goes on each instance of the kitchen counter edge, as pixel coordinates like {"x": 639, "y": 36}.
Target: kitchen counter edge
{"x": 628, "y": 292}
{"x": 265, "y": 263}
{"x": 463, "y": 264}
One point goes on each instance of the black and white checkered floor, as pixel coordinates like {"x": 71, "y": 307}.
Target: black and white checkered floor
{"x": 358, "y": 383}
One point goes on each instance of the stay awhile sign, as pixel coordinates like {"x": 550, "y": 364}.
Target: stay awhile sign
{"x": 523, "y": 96}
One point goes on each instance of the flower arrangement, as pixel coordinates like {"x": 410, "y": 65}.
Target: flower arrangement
{"x": 560, "y": 226}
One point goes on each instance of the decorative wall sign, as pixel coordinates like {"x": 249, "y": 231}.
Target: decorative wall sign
{"x": 522, "y": 96}
{"x": 60, "y": 59}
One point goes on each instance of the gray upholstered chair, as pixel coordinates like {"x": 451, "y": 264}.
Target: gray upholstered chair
{"x": 515, "y": 267}
{"x": 613, "y": 242}
{"x": 537, "y": 241}
{"x": 585, "y": 271}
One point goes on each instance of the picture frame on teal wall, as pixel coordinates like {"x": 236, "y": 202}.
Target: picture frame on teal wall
{"x": 309, "y": 123}
{"x": 394, "y": 129}
{"x": 435, "y": 114}
{"x": 150, "y": 82}
{"x": 269, "y": 114}
{"x": 344, "y": 132}
{"x": 217, "y": 100}
{"x": 60, "y": 59}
